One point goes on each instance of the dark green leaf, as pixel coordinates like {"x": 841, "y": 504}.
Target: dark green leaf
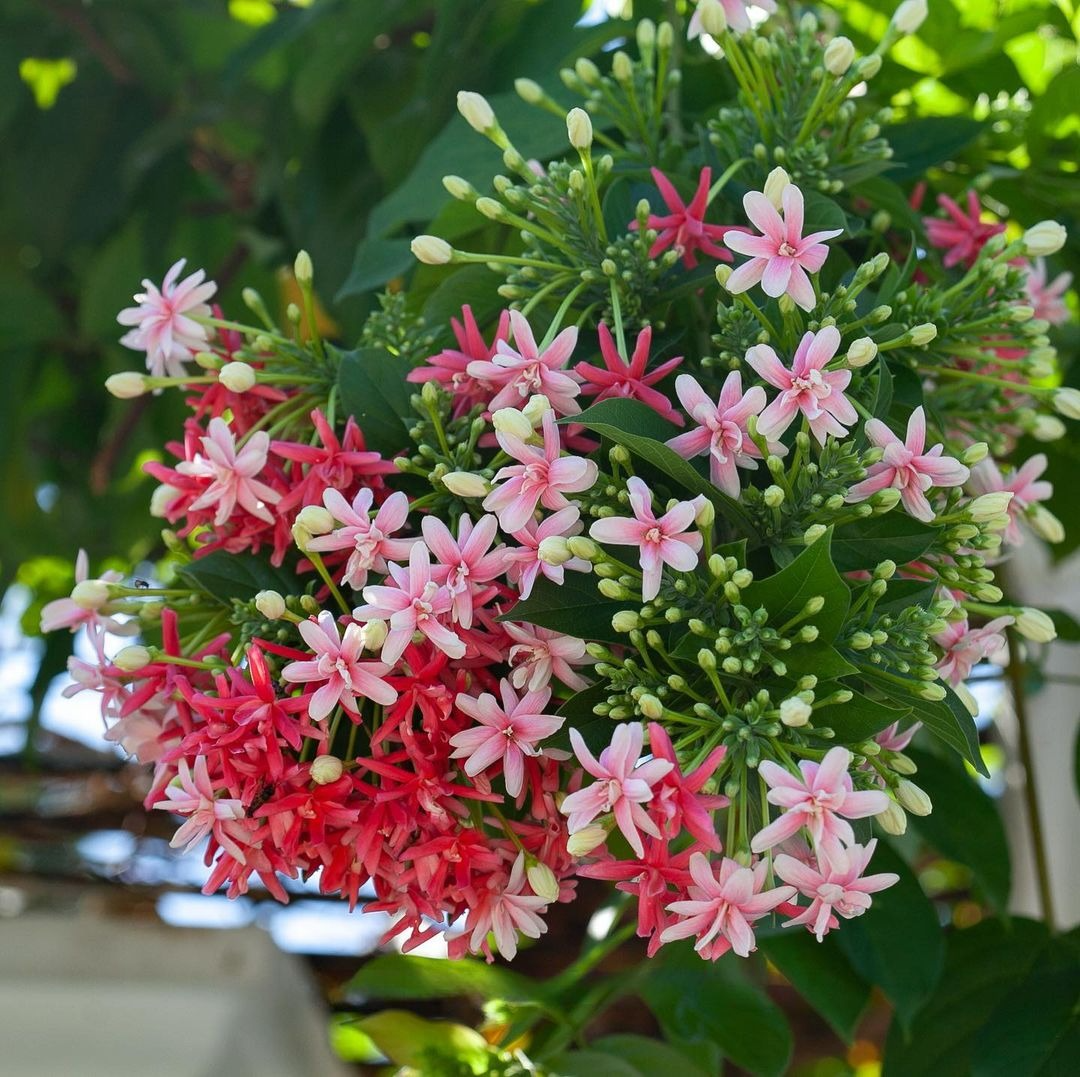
{"x": 1066, "y": 626}
{"x": 576, "y": 602}
{"x": 918, "y": 144}
{"x": 860, "y": 718}
{"x": 474, "y": 286}
{"x": 377, "y": 261}
{"x": 650, "y": 1058}
{"x": 593, "y": 1063}
{"x": 398, "y": 976}
{"x": 595, "y": 729}
{"x": 225, "y": 576}
{"x": 894, "y": 536}
{"x": 373, "y": 390}
{"x": 821, "y": 659}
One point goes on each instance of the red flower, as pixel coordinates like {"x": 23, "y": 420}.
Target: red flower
{"x": 685, "y": 227}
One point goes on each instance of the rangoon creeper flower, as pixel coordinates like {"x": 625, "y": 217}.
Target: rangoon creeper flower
{"x": 467, "y": 564}
{"x": 506, "y": 912}
{"x": 723, "y": 906}
{"x": 736, "y": 12}
{"x": 816, "y": 799}
{"x": 1046, "y": 299}
{"x": 622, "y": 786}
{"x": 538, "y": 654}
{"x": 524, "y": 560}
{"x": 961, "y": 235}
{"x": 543, "y": 477}
{"x": 781, "y": 257}
{"x": 965, "y": 647}
{"x": 337, "y": 661}
{"x": 84, "y": 605}
{"x": 836, "y": 886}
{"x": 721, "y": 430}
{"x": 232, "y": 474}
{"x": 505, "y": 734}
{"x": 664, "y": 541}
{"x": 191, "y": 793}
{"x": 807, "y": 387}
{"x": 907, "y": 468}
{"x": 1024, "y": 484}
{"x": 163, "y": 321}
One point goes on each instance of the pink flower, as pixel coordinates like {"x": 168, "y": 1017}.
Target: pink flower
{"x": 538, "y": 654}
{"x": 722, "y": 907}
{"x": 893, "y": 739}
{"x": 684, "y": 227}
{"x": 680, "y": 798}
{"x": 622, "y": 787}
{"x": 1047, "y": 298}
{"x": 836, "y": 885}
{"x": 780, "y": 256}
{"x": 907, "y": 468}
{"x": 413, "y": 604}
{"x": 192, "y": 794}
{"x": 163, "y": 326}
{"x": 737, "y": 12}
{"x": 232, "y": 474}
{"x": 505, "y": 734}
{"x": 466, "y": 564}
{"x": 986, "y": 478}
{"x": 337, "y": 663}
{"x": 524, "y": 371}
{"x": 966, "y": 647}
{"x": 629, "y": 379}
{"x": 504, "y": 912}
{"x": 543, "y": 477}
{"x": 961, "y": 235}
{"x": 816, "y": 799}
{"x": 660, "y": 542}
{"x": 67, "y": 613}
{"x": 721, "y": 430}
{"x": 807, "y": 387}
{"x": 524, "y": 560}
{"x": 368, "y": 540}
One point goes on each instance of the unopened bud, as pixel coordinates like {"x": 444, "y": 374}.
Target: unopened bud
{"x": 132, "y": 659}
{"x": 910, "y": 15}
{"x": 1045, "y": 524}
{"x": 543, "y": 882}
{"x": 237, "y": 377}
{"x": 773, "y": 496}
{"x": 650, "y": 707}
{"x": 90, "y": 594}
{"x": 625, "y": 621}
{"x": 1047, "y": 428}
{"x": 513, "y": 422}
{"x": 270, "y": 604}
{"x": 373, "y": 634}
{"x": 902, "y": 764}
{"x": 913, "y": 798}
{"x": 921, "y": 335}
{"x": 706, "y": 514}
{"x": 795, "y": 712}
{"x": 554, "y": 550}
{"x": 160, "y": 500}
{"x": 126, "y": 385}
{"x": 465, "y": 484}
{"x": 585, "y": 840}
{"x": 583, "y": 547}
{"x": 1044, "y": 238}
{"x": 861, "y": 352}
{"x": 1067, "y": 402}
{"x": 479, "y": 115}
{"x": 326, "y": 769}
{"x": 777, "y": 180}
{"x": 987, "y": 506}
{"x": 713, "y": 17}
{"x": 303, "y": 269}
{"x": 315, "y": 519}
{"x": 975, "y": 453}
{"x": 431, "y": 250}
{"x": 893, "y": 820}
{"x": 530, "y": 92}
{"x": 579, "y": 128}
{"x": 813, "y": 533}
{"x": 839, "y": 54}
{"x": 1035, "y": 625}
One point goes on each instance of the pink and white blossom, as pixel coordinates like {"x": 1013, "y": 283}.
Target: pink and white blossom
{"x": 466, "y": 565}
{"x": 807, "y": 387}
{"x": 664, "y": 541}
{"x": 504, "y": 912}
{"x": 538, "y": 654}
{"x": 524, "y": 563}
{"x": 1023, "y": 483}
{"x": 163, "y": 321}
{"x": 67, "y": 613}
{"x": 965, "y": 647}
{"x": 1047, "y": 298}
{"x": 781, "y": 257}
{"x": 192, "y": 794}
{"x": 908, "y": 467}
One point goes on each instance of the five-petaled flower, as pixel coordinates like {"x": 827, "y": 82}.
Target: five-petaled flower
{"x": 961, "y": 235}
{"x": 191, "y": 793}
{"x": 781, "y": 257}
{"x": 1046, "y": 298}
{"x": 907, "y": 467}
{"x": 1024, "y": 484}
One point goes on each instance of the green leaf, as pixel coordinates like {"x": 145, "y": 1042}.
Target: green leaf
{"x": 810, "y": 575}
{"x": 821, "y": 973}
{"x": 903, "y": 594}
{"x": 225, "y": 576}
{"x": 638, "y": 428}
{"x": 860, "y": 718}
{"x": 698, "y": 1002}
{"x": 595, "y": 729}
{"x": 593, "y": 1063}
{"x": 373, "y": 390}
{"x": 398, "y": 976}
{"x": 474, "y": 286}
{"x": 408, "y": 1040}
{"x": 1066, "y": 626}
{"x": 930, "y": 140}
{"x": 982, "y": 964}
{"x": 648, "y": 1057}
{"x": 965, "y": 825}
{"x": 575, "y": 604}
{"x": 894, "y": 536}
{"x": 377, "y": 261}
{"x": 897, "y": 944}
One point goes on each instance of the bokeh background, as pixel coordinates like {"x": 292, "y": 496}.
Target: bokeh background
{"x": 234, "y": 132}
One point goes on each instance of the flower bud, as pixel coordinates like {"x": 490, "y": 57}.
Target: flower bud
{"x": 773, "y": 496}
{"x": 373, "y": 634}
{"x": 1044, "y": 238}
{"x": 713, "y": 17}
{"x": 585, "y": 840}
{"x": 969, "y": 701}
{"x": 775, "y": 183}
{"x": 1035, "y": 625}
{"x": 459, "y": 188}
{"x": 923, "y": 334}
{"x": 587, "y": 71}
{"x": 705, "y": 516}
{"x": 583, "y": 547}
{"x": 987, "y": 506}
{"x": 90, "y": 594}
{"x": 909, "y": 16}
{"x": 622, "y": 67}
{"x": 839, "y": 54}
{"x": 132, "y": 659}
{"x": 893, "y": 819}
{"x": 536, "y": 407}
{"x": 650, "y": 707}
{"x": 161, "y": 499}
{"x": 270, "y": 604}
{"x": 974, "y": 453}
{"x": 813, "y": 533}
{"x": 1045, "y": 524}
{"x": 490, "y": 208}
{"x": 543, "y": 882}
{"x": 869, "y": 66}
{"x": 795, "y": 712}
{"x": 1067, "y": 402}
{"x": 1047, "y": 428}
{"x": 303, "y": 269}
{"x": 902, "y": 764}
{"x": 326, "y": 769}
{"x": 913, "y": 798}
{"x": 613, "y": 589}
{"x": 465, "y": 484}
{"x": 126, "y": 385}
{"x": 579, "y": 128}
{"x": 532, "y": 93}
{"x": 513, "y": 422}
{"x": 479, "y": 115}
{"x": 861, "y": 352}
{"x": 315, "y": 519}
{"x": 554, "y": 550}
{"x": 237, "y": 377}
{"x": 625, "y": 621}
{"x": 431, "y": 250}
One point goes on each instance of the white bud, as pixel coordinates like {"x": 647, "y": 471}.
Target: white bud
{"x": 650, "y": 707}
{"x": 1035, "y": 625}
{"x": 622, "y": 67}
{"x": 315, "y": 519}
{"x": 1044, "y": 238}
{"x": 813, "y": 533}
{"x": 491, "y": 208}
{"x": 431, "y": 250}
{"x": 301, "y": 536}
{"x": 126, "y": 385}
{"x": 90, "y": 594}
{"x": 579, "y": 128}
{"x": 479, "y": 115}
{"x": 513, "y": 422}
{"x": 893, "y": 819}
{"x": 775, "y": 183}
{"x": 839, "y": 54}
{"x": 861, "y": 352}
{"x": 987, "y": 506}
{"x": 795, "y": 712}
{"x": 913, "y": 798}
{"x": 705, "y": 516}
{"x": 587, "y": 71}
{"x": 237, "y": 377}
{"x": 923, "y": 334}
{"x": 270, "y": 604}
{"x": 869, "y": 66}
{"x": 910, "y": 15}
{"x": 585, "y": 840}
{"x": 303, "y": 269}
{"x": 625, "y": 621}
{"x": 1067, "y": 402}
{"x": 161, "y": 498}
{"x": 459, "y": 188}
{"x": 553, "y": 550}
{"x": 773, "y": 496}
{"x": 974, "y": 453}
{"x": 713, "y": 17}
{"x": 465, "y": 484}
{"x": 543, "y": 882}
{"x": 1045, "y": 524}
{"x": 373, "y": 634}
{"x": 967, "y": 699}
{"x": 1047, "y": 428}
{"x": 326, "y": 769}
{"x": 132, "y": 659}
{"x": 530, "y": 92}
{"x": 536, "y": 408}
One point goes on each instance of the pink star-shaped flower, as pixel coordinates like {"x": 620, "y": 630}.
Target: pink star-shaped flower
{"x": 538, "y": 654}
{"x": 524, "y": 560}
{"x": 1047, "y": 298}
{"x": 192, "y": 794}
{"x": 1024, "y": 484}
{"x": 466, "y": 565}
{"x": 961, "y": 235}
{"x": 965, "y": 647}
